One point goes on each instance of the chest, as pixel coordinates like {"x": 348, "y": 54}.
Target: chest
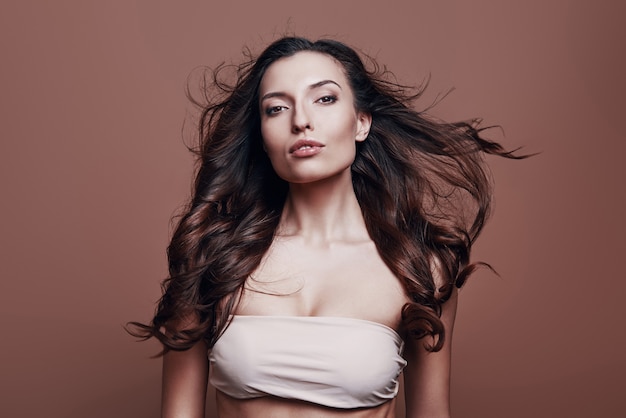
{"x": 348, "y": 280}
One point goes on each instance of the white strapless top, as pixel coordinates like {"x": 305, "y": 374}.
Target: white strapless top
{"x": 331, "y": 361}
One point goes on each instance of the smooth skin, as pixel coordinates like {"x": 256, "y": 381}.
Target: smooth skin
{"x": 322, "y": 261}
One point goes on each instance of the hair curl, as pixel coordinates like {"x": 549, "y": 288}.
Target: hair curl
{"x": 421, "y": 184}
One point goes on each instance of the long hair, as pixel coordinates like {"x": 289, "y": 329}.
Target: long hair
{"x": 421, "y": 184}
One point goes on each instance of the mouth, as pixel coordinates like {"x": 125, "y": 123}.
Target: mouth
{"x": 303, "y": 145}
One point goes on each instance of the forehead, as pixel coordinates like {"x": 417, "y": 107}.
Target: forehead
{"x": 300, "y": 71}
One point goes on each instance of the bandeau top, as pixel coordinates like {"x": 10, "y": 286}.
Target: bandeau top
{"x": 331, "y": 361}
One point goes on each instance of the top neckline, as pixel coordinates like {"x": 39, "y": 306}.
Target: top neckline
{"x": 323, "y": 318}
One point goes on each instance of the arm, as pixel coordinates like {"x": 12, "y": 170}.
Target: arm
{"x": 185, "y": 375}
{"x": 427, "y": 375}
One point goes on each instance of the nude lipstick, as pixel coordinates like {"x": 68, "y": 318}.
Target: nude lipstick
{"x": 303, "y": 148}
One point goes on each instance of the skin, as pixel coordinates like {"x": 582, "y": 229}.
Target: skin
{"x": 307, "y": 96}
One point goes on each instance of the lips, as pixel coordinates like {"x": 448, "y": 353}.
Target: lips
{"x": 305, "y": 148}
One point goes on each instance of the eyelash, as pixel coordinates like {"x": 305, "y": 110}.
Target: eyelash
{"x": 328, "y": 99}
{"x": 270, "y": 111}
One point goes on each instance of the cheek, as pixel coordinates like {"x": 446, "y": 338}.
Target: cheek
{"x": 266, "y": 141}
{"x": 270, "y": 133}
{"x": 345, "y": 119}
{"x": 271, "y": 147}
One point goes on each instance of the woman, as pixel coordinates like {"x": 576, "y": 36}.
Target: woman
{"x": 319, "y": 258}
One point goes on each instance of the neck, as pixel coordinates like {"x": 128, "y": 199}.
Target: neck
{"x": 323, "y": 212}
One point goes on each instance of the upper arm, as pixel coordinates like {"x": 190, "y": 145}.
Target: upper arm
{"x": 185, "y": 376}
{"x": 427, "y": 374}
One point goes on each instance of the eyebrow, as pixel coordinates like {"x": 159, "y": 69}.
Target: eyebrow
{"x": 311, "y": 87}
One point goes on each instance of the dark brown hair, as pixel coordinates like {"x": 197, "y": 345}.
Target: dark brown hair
{"x": 421, "y": 185}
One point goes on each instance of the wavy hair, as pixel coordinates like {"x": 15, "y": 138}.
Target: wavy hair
{"x": 421, "y": 184}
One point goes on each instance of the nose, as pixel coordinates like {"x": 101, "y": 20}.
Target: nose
{"x": 301, "y": 120}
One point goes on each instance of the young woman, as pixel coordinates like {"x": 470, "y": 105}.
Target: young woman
{"x": 319, "y": 257}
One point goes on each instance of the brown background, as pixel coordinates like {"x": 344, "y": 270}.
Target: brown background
{"x": 93, "y": 166}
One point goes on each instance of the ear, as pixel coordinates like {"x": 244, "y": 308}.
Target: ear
{"x": 364, "y": 122}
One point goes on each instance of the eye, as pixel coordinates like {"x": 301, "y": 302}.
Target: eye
{"x": 327, "y": 99}
{"x": 272, "y": 110}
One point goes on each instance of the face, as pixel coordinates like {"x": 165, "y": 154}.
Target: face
{"x": 308, "y": 120}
